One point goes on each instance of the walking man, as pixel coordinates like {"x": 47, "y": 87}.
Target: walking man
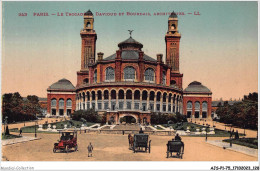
{"x": 20, "y": 132}
{"x": 90, "y": 149}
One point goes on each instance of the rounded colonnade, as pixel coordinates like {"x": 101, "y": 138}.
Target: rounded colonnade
{"x": 129, "y": 99}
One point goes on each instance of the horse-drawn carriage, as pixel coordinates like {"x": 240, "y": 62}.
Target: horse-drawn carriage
{"x": 68, "y": 140}
{"x": 175, "y": 146}
{"x": 140, "y": 142}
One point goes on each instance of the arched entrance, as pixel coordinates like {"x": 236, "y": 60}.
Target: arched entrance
{"x": 128, "y": 119}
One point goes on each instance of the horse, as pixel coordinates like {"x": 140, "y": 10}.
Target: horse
{"x": 131, "y": 141}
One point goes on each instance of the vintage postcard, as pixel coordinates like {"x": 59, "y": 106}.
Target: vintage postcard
{"x": 121, "y": 81}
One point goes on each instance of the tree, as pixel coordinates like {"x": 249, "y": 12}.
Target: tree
{"x": 18, "y": 109}
{"x": 90, "y": 115}
{"x": 242, "y": 114}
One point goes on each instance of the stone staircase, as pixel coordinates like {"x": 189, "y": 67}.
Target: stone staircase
{"x": 127, "y": 127}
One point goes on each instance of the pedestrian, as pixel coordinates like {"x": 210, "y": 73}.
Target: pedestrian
{"x": 177, "y": 137}
{"x": 90, "y": 149}
{"x": 20, "y": 132}
{"x": 141, "y": 131}
{"x": 123, "y": 132}
{"x": 236, "y": 135}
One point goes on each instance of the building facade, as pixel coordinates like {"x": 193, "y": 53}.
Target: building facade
{"x": 61, "y": 98}
{"x": 197, "y": 101}
{"x": 127, "y": 84}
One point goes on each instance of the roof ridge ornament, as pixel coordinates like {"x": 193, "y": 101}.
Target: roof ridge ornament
{"x": 130, "y": 32}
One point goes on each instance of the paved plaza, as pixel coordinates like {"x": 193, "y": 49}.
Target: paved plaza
{"x": 109, "y": 147}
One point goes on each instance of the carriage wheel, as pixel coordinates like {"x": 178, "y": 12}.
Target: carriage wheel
{"x": 167, "y": 154}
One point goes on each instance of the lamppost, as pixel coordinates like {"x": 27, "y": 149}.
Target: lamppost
{"x": 5, "y": 123}
{"x": 230, "y": 137}
{"x": 35, "y": 126}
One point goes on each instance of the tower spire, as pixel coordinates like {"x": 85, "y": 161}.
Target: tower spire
{"x": 130, "y": 32}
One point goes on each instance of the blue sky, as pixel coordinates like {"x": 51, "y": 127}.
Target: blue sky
{"x": 218, "y": 48}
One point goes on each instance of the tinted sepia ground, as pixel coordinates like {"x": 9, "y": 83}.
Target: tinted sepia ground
{"x": 109, "y": 147}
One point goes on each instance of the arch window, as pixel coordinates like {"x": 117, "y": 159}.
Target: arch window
{"x": 110, "y": 73}
{"x": 95, "y": 76}
{"x": 189, "y": 105}
{"x": 121, "y": 99}
{"x": 61, "y": 103}
{"x": 129, "y": 73}
{"x": 204, "y": 106}
{"x": 129, "y": 99}
{"x": 69, "y": 103}
{"x": 85, "y": 81}
{"x": 164, "y": 78}
{"x": 53, "y": 103}
{"x": 99, "y": 95}
{"x": 106, "y": 95}
{"x": 88, "y": 24}
{"x": 88, "y": 96}
{"x": 197, "y": 105}
{"x": 149, "y": 75}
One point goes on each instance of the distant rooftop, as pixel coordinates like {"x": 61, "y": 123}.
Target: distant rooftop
{"x": 196, "y": 87}
{"x": 62, "y": 84}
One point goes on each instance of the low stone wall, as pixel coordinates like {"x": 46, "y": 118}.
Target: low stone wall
{"x": 162, "y": 133}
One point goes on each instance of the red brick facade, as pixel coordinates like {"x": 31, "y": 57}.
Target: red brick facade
{"x": 129, "y": 82}
{"x": 200, "y": 99}
{"x": 61, "y": 95}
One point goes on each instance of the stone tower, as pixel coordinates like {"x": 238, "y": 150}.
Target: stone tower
{"x": 88, "y": 45}
{"x": 172, "y": 40}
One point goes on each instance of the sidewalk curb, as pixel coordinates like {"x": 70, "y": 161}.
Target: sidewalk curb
{"x": 12, "y": 143}
{"x": 233, "y": 149}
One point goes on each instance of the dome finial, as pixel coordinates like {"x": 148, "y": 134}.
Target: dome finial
{"x": 130, "y": 32}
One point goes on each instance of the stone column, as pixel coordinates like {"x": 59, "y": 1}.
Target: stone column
{"x": 200, "y": 115}
{"x": 141, "y": 104}
{"x": 154, "y": 102}
{"x": 133, "y": 98}
{"x": 117, "y": 104}
{"x": 86, "y": 99}
{"x": 96, "y": 99}
{"x": 124, "y": 101}
{"x": 181, "y": 106}
{"x": 102, "y": 104}
{"x": 148, "y": 101}
{"x": 161, "y": 103}
{"x": 167, "y": 102}
{"x": 172, "y": 104}
{"x": 90, "y": 100}
{"x": 109, "y": 100}
{"x": 57, "y": 107}
{"x": 175, "y": 104}
{"x": 193, "y": 110}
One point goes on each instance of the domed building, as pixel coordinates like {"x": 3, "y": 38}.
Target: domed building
{"x": 128, "y": 84}
{"x": 61, "y": 98}
{"x": 197, "y": 101}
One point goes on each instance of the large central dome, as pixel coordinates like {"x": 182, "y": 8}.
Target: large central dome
{"x": 130, "y": 51}
{"x": 130, "y": 43}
